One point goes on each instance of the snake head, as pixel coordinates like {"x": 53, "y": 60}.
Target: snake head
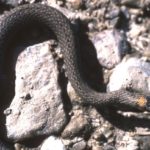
{"x": 144, "y": 102}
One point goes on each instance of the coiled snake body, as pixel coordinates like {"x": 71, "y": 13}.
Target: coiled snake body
{"x": 18, "y": 19}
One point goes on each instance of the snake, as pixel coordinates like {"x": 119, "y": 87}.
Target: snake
{"x": 20, "y": 18}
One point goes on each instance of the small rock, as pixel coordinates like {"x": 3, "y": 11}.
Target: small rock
{"x": 94, "y": 145}
{"x": 136, "y": 30}
{"x": 110, "y": 46}
{"x": 96, "y": 118}
{"x": 130, "y": 3}
{"x": 127, "y": 143}
{"x": 76, "y": 4}
{"x": 53, "y": 143}
{"x": 72, "y": 94}
{"x": 78, "y": 125}
{"x": 12, "y": 3}
{"x": 52, "y": 2}
{"x": 103, "y": 134}
{"x": 109, "y": 147}
{"x": 134, "y": 73}
{"x": 79, "y": 146}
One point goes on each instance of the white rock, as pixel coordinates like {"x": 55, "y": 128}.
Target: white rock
{"x": 53, "y": 143}
{"x": 134, "y": 72}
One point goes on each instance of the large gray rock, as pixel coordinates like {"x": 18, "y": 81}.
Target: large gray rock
{"x": 37, "y": 106}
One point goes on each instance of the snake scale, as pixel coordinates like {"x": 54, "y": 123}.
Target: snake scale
{"x": 19, "y": 18}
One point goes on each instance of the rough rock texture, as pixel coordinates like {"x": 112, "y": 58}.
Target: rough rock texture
{"x": 37, "y": 107}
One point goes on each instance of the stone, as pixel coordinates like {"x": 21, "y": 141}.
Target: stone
{"x": 76, "y": 4}
{"x": 37, "y": 107}
{"x": 53, "y": 143}
{"x": 133, "y": 72}
{"x": 110, "y": 47}
{"x": 94, "y": 145}
{"x": 50, "y": 143}
{"x": 79, "y": 146}
{"x": 143, "y": 142}
{"x": 78, "y": 125}
{"x": 130, "y": 3}
{"x": 72, "y": 94}
{"x": 126, "y": 143}
{"x": 12, "y": 3}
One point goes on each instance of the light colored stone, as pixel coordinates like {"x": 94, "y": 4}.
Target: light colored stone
{"x": 37, "y": 106}
{"x": 107, "y": 47}
{"x": 53, "y": 143}
{"x": 72, "y": 94}
{"x": 11, "y": 2}
{"x": 134, "y": 73}
{"x": 127, "y": 143}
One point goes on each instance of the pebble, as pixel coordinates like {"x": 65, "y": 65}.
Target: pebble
{"x": 53, "y": 143}
{"x": 78, "y": 125}
{"x": 79, "y": 146}
{"x": 75, "y": 4}
{"x": 136, "y": 30}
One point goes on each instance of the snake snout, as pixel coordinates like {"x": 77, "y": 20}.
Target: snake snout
{"x": 143, "y": 103}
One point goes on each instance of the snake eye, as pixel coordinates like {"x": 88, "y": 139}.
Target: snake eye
{"x": 148, "y": 103}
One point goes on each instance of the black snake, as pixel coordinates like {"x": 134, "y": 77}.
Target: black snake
{"x": 19, "y": 18}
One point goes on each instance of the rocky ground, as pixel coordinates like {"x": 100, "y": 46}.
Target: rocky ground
{"x": 46, "y": 112}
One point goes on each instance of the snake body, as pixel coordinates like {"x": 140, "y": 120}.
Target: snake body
{"x": 18, "y": 19}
